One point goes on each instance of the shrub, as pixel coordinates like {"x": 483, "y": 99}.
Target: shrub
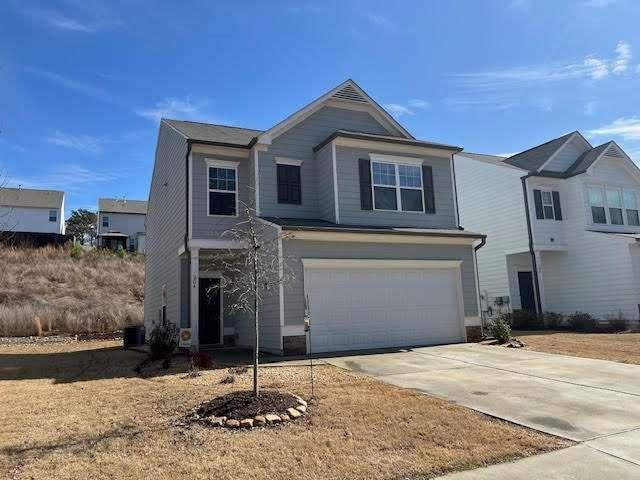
{"x": 582, "y": 322}
{"x": 526, "y": 320}
{"x": 76, "y": 251}
{"x": 500, "y": 328}
{"x": 618, "y": 323}
{"x": 552, "y": 320}
{"x": 121, "y": 252}
{"x": 163, "y": 341}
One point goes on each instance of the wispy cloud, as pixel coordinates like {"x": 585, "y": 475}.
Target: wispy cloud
{"x": 621, "y": 63}
{"x": 90, "y": 17}
{"x": 172, "y": 107}
{"x": 397, "y": 109}
{"x": 67, "y": 177}
{"x": 520, "y": 4}
{"x": 380, "y": 20}
{"x": 598, "y": 3}
{"x": 83, "y": 143}
{"x": 71, "y": 84}
{"x": 486, "y": 102}
{"x": 625, "y": 128}
{"x": 590, "y": 107}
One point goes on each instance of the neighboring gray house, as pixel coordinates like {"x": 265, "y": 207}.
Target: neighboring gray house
{"x": 372, "y": 224}
{"x": 572, "y": 243}
{"x": 121, "y": 224}
{"x": 32, "y": 211}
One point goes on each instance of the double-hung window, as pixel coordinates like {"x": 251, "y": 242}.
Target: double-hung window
{"x": 53, "y": 215}
{"x": 547, "y": 205}
{"x": 596, "y": 200}
{"x": 105, "y": 221}
{"x": 631, "y": 206}
{"x": 614, "y": 202}
{"x": 397, "y": 186}
{"x": 222, "y": 187}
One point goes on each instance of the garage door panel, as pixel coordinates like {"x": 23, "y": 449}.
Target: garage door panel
{"x": 373, "y": 308}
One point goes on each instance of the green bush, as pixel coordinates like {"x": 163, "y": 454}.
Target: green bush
{"x": 526, "y": 320}
{"x": 500, "y": 328}
{"x": 163, "y": 341}
{"x": 582, "y": 322}
{"x": 552, "y": 320}
{"x": 76, "y": 251}
{"x": 121, "y": 252}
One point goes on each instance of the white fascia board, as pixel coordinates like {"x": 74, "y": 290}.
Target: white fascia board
{"x": 332, "y": 236}
{"x": 219, "y": 150}
{"x": 392, "y": 148}
{"x": 341, "y": 263}
{"x": 213, "y": 162}
{"x": 378, "y": 157}
{"x": 288, "y": 161}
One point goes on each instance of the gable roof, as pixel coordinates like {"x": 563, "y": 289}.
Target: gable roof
{"x": 584, "y": 161}
{"x": 384, "y": 138}
{"x": 33, "y": 198}
{"x": 533, "y": 158}
{"x": 210, "y": 133}
{"x": 114, "y": 205}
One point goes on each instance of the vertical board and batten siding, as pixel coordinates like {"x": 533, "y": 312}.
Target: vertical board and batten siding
{"x": 166, "y": 226}
{"x": 324, "y": 176}
{"x": 298, "y": 143}
{"x": 295, "y": 250}
{"x": 567, "y": 155}
{"x": 351, "y": 212}
{"x": 30, "y": 219}
{"x": 546, "y": 229}
{"x": 490, "y": 201}
{"x": 596, "y": 274}
{"x": 204, "y": 225}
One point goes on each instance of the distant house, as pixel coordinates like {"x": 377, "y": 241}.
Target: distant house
{"x": 121, "y": 223}
{"x": 31, "y": 211}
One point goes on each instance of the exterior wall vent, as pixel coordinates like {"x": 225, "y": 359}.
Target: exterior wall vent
{"x": 349, "y": 93}
{"x": 613, "y": 151}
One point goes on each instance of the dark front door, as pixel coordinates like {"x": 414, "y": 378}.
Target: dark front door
{"x": 527, "y": 297}
{"x": 209, "y": 311}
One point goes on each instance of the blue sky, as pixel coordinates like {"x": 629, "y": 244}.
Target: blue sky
{"x": 83, "y": 82}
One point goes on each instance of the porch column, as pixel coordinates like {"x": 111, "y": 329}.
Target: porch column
{"x": 194, "y": 296}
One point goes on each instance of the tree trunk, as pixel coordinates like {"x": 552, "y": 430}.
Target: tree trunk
{"x": 256, "y": 389}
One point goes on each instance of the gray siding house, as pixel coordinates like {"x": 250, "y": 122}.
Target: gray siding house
{"x": 121, "y": 223}
{"x": 371, "y": 224}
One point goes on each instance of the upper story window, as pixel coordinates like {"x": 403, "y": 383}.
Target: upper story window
{"x": 289, "y": 184}
{"x": 222, "y": 187}
{"x": 547, "y": 205}
{"x": 397, "y": 187}
{"x": 613, "y": 205}
{"x": 105, "y": 221}
{"x": 53, "y": 215}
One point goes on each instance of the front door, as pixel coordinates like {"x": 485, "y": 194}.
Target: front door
{"x": 527, "y": 296}
{"x": 209, "y": 314}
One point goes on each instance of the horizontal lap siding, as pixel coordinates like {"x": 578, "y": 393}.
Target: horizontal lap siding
{"x": 165, "y": 225}
{"x": 349, "y": 194}
{"x": 324, "y": 174}
{"x": 295, "y": 250}
{"x": 298, "y": 143}
{"x": 128, "y": 223}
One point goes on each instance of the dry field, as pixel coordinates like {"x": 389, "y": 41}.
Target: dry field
{"x": 46, "y": 289}
{"x": 77, "y": 410}
{"x": 617, "y": 347}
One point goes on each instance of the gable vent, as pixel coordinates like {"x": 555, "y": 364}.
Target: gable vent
{"x": 613, "y": 151}
{"x": 349, "y": 93}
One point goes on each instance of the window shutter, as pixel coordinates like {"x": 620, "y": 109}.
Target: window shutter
{"x": 427, "y": 185}
{"x": 537, "y": 198}
{"x": 556, "y": 205}
{"x": 366, "y": 196}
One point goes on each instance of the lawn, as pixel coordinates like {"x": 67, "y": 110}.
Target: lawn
{"x": 78, "y": 410}
{"x": 617, "y": 347}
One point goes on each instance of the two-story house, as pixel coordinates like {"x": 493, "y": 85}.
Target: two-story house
{"x": 121, "y": 224}
{"x": 31, "y": 211}
{"x": 369, "y": 221}
{"x": 562, "y": 227}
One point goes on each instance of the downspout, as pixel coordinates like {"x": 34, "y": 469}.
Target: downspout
{"x": 534, "y": 262}
{"x": 455, "y": 193}
{"x": 482, "y": 243}
{"x": 186, "y": 230}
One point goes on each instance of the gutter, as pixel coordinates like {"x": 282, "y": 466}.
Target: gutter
{"x": 483, "y": 242}
{"x": 534, "y": 263}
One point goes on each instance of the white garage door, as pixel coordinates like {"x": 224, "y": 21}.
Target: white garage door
{"x": 359, "y": 304}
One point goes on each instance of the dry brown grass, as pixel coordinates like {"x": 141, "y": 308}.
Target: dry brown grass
{"x": 77, "y": 411}
{"x": 43, "y": 290}
{"x": 617, "y": 347}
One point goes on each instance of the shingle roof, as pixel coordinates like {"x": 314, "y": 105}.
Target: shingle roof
{"x": 220, "y": 134}
{"x": 535, "y": 157}
{"x": 114, "y": 205}
{"x": 584, "y": 161}
{"x": 27, "y": 197}
{"x": 383, "y": 138}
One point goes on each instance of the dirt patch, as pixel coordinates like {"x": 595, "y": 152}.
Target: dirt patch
{"x": 246, "y": 405}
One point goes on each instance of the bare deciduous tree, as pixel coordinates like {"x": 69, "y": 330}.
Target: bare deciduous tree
{"x": 251, "y": 272}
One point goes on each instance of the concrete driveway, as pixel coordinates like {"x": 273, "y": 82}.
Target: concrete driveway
{"x": 594, "y": 402}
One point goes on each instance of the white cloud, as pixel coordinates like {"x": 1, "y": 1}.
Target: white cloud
{"x": 172, "y": 107}
{"x": 82, "y": 143}
{"x": 88, "y": 17}
{"x": 67, "y": 177}
{"x": 398, "y": 110}
{"x": 596, "y": 68}
{"x": 623, "y": 50}
{"x": 599, "y": 3}
{"x": 418, "y": 103}
{"x": 380, "y": 20}
{"x": 520, "y": 4}
{"x": 486, "y": 102}
{"x": 72, "y": 84}
{"x": 626, "y": 128}
{"x": 590, "y": 107}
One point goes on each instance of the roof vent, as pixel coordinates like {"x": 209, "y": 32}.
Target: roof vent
{"x": 613, "y": 151}
{"x": 349, "y": 93}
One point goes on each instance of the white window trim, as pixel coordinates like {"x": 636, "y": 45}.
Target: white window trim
{"x": 227, "y": 164}
{"x": 288, "y": 161}
{"x": 108, "y": 218}
{"x": 381, "y": 158}
{"x": 621, "y": 208}
{"x": 55, "y": 215}
{"x": 603, "y": 188}
{"x": 553, "y": 207}
{"x": 397, "y": 187}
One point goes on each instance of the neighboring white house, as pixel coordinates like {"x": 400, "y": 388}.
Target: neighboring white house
{"x": 121, "y": 223}
{"x": 32, "y": 211}
{"x": 562, "y": 226}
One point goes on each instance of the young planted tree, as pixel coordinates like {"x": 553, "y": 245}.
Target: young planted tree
{"x": 82, "y": 225}
{"x": 250, "y": 273}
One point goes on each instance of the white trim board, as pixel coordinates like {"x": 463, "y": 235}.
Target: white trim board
{"x": 382, "y": 158}
{"x": 332, "y": 263}
{"x": 288, "y": 161}
{"x": 336, "y": 203}
{"x": 219, "y": 150}
{"x": 332, "y": 236}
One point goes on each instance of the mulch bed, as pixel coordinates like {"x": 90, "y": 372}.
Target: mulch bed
{"x": 244, "y": 405}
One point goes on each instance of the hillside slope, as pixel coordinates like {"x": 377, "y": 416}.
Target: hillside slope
{"x": 57, "y": 289}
